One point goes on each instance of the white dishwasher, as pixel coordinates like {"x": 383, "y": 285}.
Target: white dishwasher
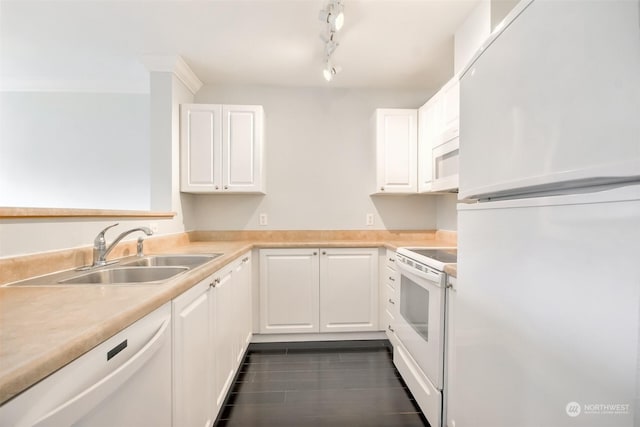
{"x": 125, "y": 382}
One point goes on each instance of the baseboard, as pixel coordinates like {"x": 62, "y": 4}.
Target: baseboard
{"x": 319, "y": 341}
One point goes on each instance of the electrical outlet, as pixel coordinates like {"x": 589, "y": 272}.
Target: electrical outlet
{"x": 153, "y": 227}
{"x": 263, "y": 219}
{"x": 369, "y": 219}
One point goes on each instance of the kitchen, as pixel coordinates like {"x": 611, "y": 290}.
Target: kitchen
{"x": 306, "y": 130}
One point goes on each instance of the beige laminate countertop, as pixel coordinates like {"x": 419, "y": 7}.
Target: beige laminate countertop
{"x": 451, "y": 269}
{"x": 43, "y": 328}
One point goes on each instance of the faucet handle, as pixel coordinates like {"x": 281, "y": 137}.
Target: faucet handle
{"x": 140, "y": 247}
{"x": 99, "y": 240}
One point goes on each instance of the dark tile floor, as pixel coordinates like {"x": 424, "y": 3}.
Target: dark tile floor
{"x": 320, "y": 387}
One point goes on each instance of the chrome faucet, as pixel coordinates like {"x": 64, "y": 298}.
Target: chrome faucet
{"x": 100, "y": 248}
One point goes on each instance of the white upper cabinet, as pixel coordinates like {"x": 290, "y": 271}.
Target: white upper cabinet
{"x": 221, "y": 148}
{"x": 429, "y": 118}
{"x": 439, "y": 129}
{"x": 450, "y": 95}
{"x": 396, "y": 132}
{"x": 200, "y": 148}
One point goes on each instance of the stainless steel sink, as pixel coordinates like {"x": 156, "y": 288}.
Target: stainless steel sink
{"x": 150, "y": 269}
{"x": 125, "y": 275}
{"x": 190, "y": 261}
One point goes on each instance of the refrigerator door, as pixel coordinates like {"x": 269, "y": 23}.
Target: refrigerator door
{"x": 554, "y": 99}
{"x": 547, "y": 316}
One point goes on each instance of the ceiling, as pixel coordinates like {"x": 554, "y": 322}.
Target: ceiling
{"x": 89, "y": 45}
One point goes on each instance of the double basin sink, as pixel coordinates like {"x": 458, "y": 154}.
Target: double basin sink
{"x": 152, "y": 269}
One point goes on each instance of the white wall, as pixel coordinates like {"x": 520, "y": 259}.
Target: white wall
{"x": 319, "y": 163}
{"x": 74, "y": 150}
{"x": 25, "y": 236}
{"x": 471, "y": 34}
{"x": 500, "y": 9}
{"x": 447, "y": 213}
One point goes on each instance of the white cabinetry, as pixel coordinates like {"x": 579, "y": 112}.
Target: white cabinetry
{"x": 193, "y": 357}
{"x": 289, "y": 290}
{"x": 242, "y": 286}
{"x": 429, "y": 119}
{"x": 396, "y": 134}
{"x": 221, "y": 148}
{"x": 224, "y": 343}
{"x": 318, "y": 290}
{"x": 348, "y": 290}
{"x": 439, "y": 128}
{"x": 211, "y": 331}
{"x": 450, "y": 96}
{"x": 390, "y": 284}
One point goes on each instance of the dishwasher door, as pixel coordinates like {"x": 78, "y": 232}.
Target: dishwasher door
{"x": 125, "y": 381}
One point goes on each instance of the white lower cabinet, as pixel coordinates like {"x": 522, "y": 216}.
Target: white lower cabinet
{"x": 224, "y": 344}
{"x": 242, "y": 287}
{"x": 289, "y": 290}
{"x": 192, "y": 356}
{"x": 390, "y": 285}
{"x": 310, "y": 290}
{"x": 348, "y": 290}
{"x": 212, "y": 326}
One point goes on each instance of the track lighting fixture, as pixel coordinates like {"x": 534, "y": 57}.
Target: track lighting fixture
{"x": 333, "y": 16}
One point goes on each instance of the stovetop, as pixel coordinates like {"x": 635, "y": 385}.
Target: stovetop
{"x": 435, "y": 258}
{"x": 447, "y": 256}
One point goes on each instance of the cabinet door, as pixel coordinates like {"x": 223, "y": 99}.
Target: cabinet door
{"x": 192, "y": 357}
{"x": 243, "y": 302}
{"x": 242, "y": 136}
{"x": 396, "y": 150}
{"x": 390, "y": 288}
{"x": 289, "y": 290}
{"x": 200, "y": 148}
{"x": 450, "y": 110}
{"x": 349, "y": 290}
{"x": 225, "y": 347}
{"x": 429, "y": 126}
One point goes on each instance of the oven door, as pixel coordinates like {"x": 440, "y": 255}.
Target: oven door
{"x": 420, "y": 326}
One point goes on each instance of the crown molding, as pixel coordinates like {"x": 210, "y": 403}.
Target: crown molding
{"x": 176, "y": 65}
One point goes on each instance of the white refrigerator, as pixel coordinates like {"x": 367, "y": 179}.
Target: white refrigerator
{"x": 547, "y": 319}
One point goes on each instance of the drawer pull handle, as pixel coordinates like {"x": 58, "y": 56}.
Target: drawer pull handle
{"x": 390, "y": 328}
{"x": 391, "y": 301}
{"x": 392, "y": 279}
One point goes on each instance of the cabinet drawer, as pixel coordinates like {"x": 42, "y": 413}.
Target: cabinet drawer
{"x": 391, "y": 259}
{"x": 390, "y": 277}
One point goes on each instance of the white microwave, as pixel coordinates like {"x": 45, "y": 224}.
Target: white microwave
{"x": 445, "y": 161}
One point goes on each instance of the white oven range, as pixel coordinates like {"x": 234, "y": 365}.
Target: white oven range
{"x": 421, "y": 325}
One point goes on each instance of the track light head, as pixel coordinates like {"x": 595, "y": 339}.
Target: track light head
{"x": 333, "y": 15}
{"x": 330, "y": 70}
